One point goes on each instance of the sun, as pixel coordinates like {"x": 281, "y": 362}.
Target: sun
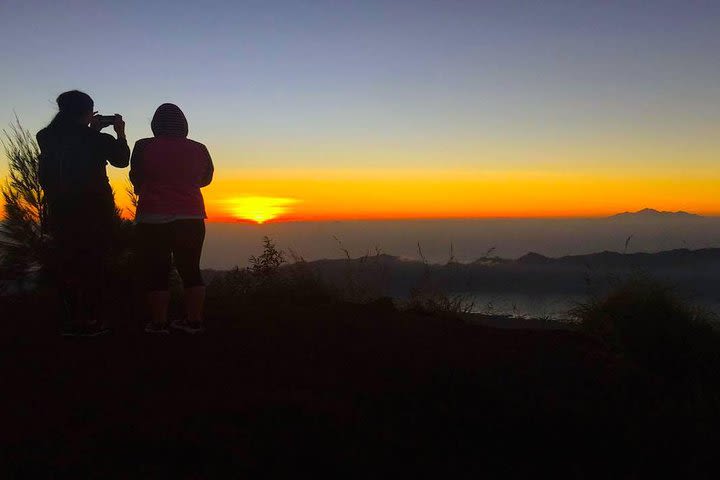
{"x": 259, "y": 209}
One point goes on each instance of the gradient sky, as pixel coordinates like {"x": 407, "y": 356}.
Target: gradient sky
{"x": 398, "y": 109}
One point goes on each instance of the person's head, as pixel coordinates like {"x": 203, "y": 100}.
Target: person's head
{"x": 75, "y": 106}
{"x": 169, "y": 121}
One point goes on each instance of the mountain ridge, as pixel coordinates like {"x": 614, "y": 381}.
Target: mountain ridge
{"x": 653, "y": 213}
{"x": 535, "y": 258}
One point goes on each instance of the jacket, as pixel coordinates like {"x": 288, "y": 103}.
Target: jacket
{"x": 168, "y": 170}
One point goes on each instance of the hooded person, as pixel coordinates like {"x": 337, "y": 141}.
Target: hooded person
{"x": 167, "y": 172}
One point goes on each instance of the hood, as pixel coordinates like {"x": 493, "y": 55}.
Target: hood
{"x": 169, "y": 120}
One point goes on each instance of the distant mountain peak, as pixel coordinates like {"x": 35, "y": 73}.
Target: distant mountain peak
{"x": 652, "y": 213}
{"x": 533, "y": 258}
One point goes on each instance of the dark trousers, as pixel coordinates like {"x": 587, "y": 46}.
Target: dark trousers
{"x": 159, "y": 244}
{"x": 81, "y": 228}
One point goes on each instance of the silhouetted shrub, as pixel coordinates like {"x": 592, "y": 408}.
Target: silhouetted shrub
{"x": 268, "y": 263}
{"x": 649, "y": 323}
{"x": 269, "y": 279}
{"x": 24, "y": 248}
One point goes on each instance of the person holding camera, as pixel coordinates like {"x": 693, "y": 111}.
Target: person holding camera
{"x": 168, "y": 171}
{"x": 81, "y": 207}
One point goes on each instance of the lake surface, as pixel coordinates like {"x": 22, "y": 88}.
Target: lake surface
{"x": 550, "y": 307}
{"x": 522, "y": 305}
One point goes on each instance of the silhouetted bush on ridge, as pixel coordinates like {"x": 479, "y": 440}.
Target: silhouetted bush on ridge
{"x": 270, "y": 279}
{"x": 649, "y": 323}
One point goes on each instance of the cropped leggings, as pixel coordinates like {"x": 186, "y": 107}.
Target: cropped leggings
{"x": 159, "y": 244}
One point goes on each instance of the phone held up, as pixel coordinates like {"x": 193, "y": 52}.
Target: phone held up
{"x": 106, "y": 120}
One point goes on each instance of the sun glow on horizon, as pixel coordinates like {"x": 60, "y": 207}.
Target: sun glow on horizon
{"x": 338, "y": 195}
{"x": 334, "y": 195}
{"x": 259, "y": 209}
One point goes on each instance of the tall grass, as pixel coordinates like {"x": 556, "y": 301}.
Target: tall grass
{"x": 429, "y": 298}
{"x": 365, "y": 277}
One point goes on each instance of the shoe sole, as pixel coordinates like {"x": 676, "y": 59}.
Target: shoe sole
{"x": 163, "y": 331}
{"x": 186, "y": 329}
{"x": 85, "y": 334}
{"x": 95, "y": 334}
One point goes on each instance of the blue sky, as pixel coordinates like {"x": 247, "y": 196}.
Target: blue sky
{"x": 549, "y": 86}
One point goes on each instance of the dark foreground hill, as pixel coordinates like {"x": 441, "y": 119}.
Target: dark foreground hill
{"x": 361, "y": 391}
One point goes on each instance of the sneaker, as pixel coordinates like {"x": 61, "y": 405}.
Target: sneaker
{"x": 94, "y": 332}
{"x": 71, "y": 332}
{"x": 156, "y": 329}
{"x": 191, "y": 328}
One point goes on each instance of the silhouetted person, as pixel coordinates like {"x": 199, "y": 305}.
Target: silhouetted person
{"x": 167, "y": 172}
{"x": 81, "y": 207}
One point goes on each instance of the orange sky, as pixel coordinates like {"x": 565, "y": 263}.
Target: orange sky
{"x": 369, "y": 111}
{"x": 265, "y": 195}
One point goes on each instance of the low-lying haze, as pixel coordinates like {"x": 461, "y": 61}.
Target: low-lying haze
{"x": 230, "y": 244}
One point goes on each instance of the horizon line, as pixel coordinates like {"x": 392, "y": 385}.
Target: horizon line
{"x": 228, "y": 219}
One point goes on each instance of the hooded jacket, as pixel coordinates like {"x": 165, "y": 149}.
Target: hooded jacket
{"x": 168, "y": 170}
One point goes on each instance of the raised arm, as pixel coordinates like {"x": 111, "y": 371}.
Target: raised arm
{"x": 115, "y": 150}
{"x": 209, "y": 169}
